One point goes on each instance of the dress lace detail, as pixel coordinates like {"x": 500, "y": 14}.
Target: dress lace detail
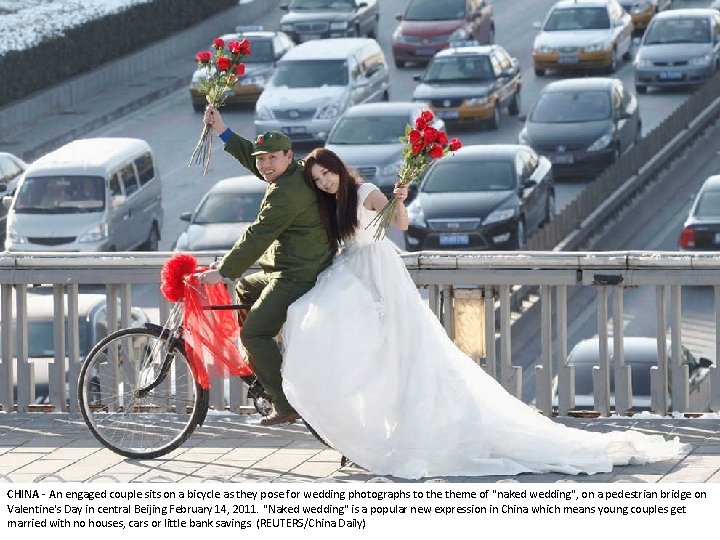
{"x": 370, "y": 367}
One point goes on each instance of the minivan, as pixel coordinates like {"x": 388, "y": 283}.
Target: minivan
{"x": 315, "y": 82}
{"x": 95, "y": 194}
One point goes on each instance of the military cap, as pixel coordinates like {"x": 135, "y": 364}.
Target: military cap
{"x": 271, "y": 141}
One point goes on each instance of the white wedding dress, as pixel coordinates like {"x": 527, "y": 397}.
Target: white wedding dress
{"x": 371, "y": 369}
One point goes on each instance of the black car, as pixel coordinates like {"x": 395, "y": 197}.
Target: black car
{"x": 583, "y": 125}
{"x": 318, "y": 19}
{"x": 481, "y": 197}
{"x": 701, "y": 230}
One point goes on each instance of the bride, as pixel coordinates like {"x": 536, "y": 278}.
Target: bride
{"x": 370, "y": 367}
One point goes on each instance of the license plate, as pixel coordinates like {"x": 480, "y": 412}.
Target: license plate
{"x": 308, "y": 37}
{"x": 669, "y": 76}
{"x": 568, "y": 59}
{"x": 294, "y": 130}
{"x": 447, "y": 115}
{"x": 562, "y": 159}
{"x": 425, "y": 52}
{"x": 717, "y": 237}
{"x": 454, "y": 239}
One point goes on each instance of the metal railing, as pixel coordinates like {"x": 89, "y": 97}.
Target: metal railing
{"x": 443, "y": 274}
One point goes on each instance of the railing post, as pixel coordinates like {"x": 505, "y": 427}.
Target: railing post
{"x": 490, "y": 358}
{"x": 622, "y": 372}
{"x": 659, "y": 374}
{"x": 601, "y": 373}
{"x": 56, "y": 370}
{"x": 447, "y": 310}
{"x": 73, "y": 345}
{"x": 680, "y": 370}
{"x": 6, "y": 337}
{"x": 566, "y": 373}
{"x": 715, "y": 370}
{"x": 25, "y": 370}
{"x": 510, "y": 376}
{"x": 543, "y": 373}
{"x": 434, "y": 299}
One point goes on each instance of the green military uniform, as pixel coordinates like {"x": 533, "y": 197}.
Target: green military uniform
{"x": 289, "y": 241}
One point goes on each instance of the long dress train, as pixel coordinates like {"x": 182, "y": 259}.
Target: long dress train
{"x": 369, "y": 366}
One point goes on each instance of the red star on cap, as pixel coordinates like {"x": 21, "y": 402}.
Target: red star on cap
{"x": 260, "y": 140}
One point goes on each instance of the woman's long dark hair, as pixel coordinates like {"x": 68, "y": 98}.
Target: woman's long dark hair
{"x": 339, "y": 211}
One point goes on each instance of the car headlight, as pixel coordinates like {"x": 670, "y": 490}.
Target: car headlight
{"x": 332, "y": 110}
{"x": 482, "y": 100}
{"x": 543, "y": 49}
{"x": 602, "y": 142}
{"x": 701, "y": 60}
{"x": 13, "y": 237}
{"x": 286, "y": 27}
{"x": 398, "y": 36}
{"x": 263, "y": 112}
{"x": 597, "y": 47}
{"x": 340, "y": 25}
{"x": 500, "y": 214}
{"x": 416, "y": 216}
{"x": 642, "y": 62}
{"x": 257, "y": 80}
{"x": 391, "y": 169}
{"x": 94, "y": 234}
{"x": 523, "y": 137}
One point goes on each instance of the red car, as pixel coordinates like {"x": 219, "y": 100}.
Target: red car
{"x": 428, "y": 26}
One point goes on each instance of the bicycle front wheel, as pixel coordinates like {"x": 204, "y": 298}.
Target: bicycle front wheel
{"x": 138, "y": 397}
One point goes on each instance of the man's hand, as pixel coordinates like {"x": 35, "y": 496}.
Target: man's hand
{"x": 213, "y": 118}
{"x": 401, "y": 191}
{"x": 210, "y": 277}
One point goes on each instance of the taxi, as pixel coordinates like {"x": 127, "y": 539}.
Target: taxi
{"x": 266, "y": 49}
{"x": 471, "y": 83}
{"x": 642, "y": 11}
{"x": 580, "y": 35}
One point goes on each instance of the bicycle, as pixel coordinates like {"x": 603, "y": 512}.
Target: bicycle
{"x": 138, "y": 394}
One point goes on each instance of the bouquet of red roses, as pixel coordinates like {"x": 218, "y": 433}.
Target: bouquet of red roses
{"x": 222, "y": 68}
{"x": 423, "y": 145}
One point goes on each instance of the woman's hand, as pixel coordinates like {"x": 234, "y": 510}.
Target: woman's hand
{"x": 213, "y": 118}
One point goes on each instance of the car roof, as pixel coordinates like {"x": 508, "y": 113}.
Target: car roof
{"x": 94, "y": 153}
{"x": 585, "y": 83}
{"x": 326, "y": 49}
{"x": 574, "y": 3}
{"x": 384, "y": 108}
{"x": 470, "y": 50}
{"x": 249, "y": 35}
{"x": 636, "y": 350}
{"x": 685, "y": 13}
{"x": 239, "y": 184}
{"x": 487, "y": 150}
{"x": 712, "y": 183}
{"x": 41, "y": 306}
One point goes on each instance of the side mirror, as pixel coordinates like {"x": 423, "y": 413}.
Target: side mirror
{"x": 522, "y": 117}
{"x": 7, "y": 201}
{"x": 285, "y": 7}
{"x": 398, "y": 17}
{"x": 528, "y": 183}
{"x": 705, "y": 362}
{"x": 624, "y": 115}
{"x": 361, "y": 5}
{"x": 417, "y": 77}
{"x": 3, "y": 186}
{"x": 185, "y": 216}
{"x": 118, "y": 200}
{"x": 537, "y": 25}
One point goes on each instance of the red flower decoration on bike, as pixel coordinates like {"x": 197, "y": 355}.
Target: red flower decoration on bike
{"x": 173, "y": 274}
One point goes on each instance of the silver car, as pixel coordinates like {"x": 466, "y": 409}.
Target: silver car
{"x": 680, "y": 48}
{"x": 367, "y": 137}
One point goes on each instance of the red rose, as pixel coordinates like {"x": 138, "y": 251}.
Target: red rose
{"x": 232, "y": 78}
{"x": 455, "y": 144}
{"x": 203, "y": 57}
{"x": 420, "y": 123}
{"x": 430, "y": 135}
{"x": 414, "y": 136}
{"x": 427, "y": 115}
{"x": 218, "y": 43}
{"x": 435, "y": 151}
{"x": 234, "y": 47}
{"x": 223, "y": 63}
{"x": 442, "y": 138}
{"x": 245, "y": 47}
{"x": 240, "y": 70}
{"x": 417, "y": 148}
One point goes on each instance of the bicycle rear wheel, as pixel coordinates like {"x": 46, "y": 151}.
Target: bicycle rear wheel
{"x": 139, "y": 398}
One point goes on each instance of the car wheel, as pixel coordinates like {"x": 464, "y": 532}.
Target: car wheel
{"x": 641, "y": 89}
{"x": 514, "y": 107}
{"x": 494, "y": 122}
{"x": 385, "y": 96}
{"x": 550, "y": 208}
{"x": 153, "y": 241}
{"x": 399, "y": 63}
{"x": 615, "y": 154}
{"x": 519, "y": 242}
{"x": 612, "y": 68}
{"x": 539, "y": 72}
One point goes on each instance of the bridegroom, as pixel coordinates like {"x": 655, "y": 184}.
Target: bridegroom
{"x": 289, "y": 241}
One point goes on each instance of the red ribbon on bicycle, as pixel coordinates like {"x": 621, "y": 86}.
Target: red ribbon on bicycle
{"x": 210, "y": 336}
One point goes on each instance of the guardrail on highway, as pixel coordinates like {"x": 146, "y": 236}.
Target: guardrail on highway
{"x": 448, "y": 276}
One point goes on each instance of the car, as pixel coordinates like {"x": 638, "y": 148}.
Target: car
{"x": 583, "y": 35}
{"x": 681, "y": 47}
{"x": 317, "y": 19}
{"x": 367, "y": 138}
{"x": 428, "y": 26}
{"x": 222, "y": 215}
{"x": 701, "y": 229}
{"x": 583, "y": 125}
{"x": 266, "y": 49}
{"x": 471, "y": 84}
{"x": 11, "y": 169}
{"x": 481, "y": 197}
{"x": 640, "y": 353}
{"x": 642, "y": 11}
{"x": 92, "y": 327}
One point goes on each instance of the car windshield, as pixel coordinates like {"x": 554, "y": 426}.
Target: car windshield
{"x": 311, "y": 73}
{"x": 640, "y": 379}
{"x": 572, "y": 106}
{"x": 470, "y": 176}
{"x": 61, "y": 195}
{"x": 228, "y": 208}
{"x": 459, "y": 69}
{"x": 369, "y": 130}
{"x": 578, "y": 18}
{"x": 708, "y": 205}
{"x": 262, "y": 52}
{"x": 432, "y": 10}
{"x": 691, "y": 30}
{"x": 325, "y": 5}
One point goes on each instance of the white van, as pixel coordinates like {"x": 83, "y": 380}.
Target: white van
{"x": 96, "y": 194}
{"x": 315, "y": 82}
